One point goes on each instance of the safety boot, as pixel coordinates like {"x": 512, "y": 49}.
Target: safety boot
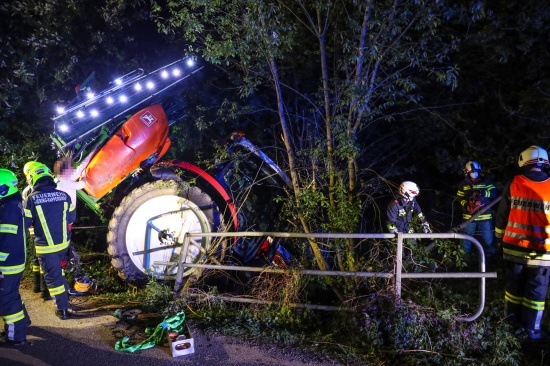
{"x": 4, "y": 342}
{"x": 44, "y": 292}
{"x": 36, "y": 282}
{"x": 62, "y": 314}
{"x": 536, "y": 335}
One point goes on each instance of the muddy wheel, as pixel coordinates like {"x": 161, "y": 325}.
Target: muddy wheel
{"x": 147, "y": 229}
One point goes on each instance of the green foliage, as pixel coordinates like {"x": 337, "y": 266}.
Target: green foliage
{"x": 155, "y": 296}
{"x": 98, "y": 270}
{"x": 377, "y": 330}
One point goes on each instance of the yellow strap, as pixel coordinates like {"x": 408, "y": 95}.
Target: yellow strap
{"x": 44, "y": 224}
{"x": 57, "y": 290}
{"x": 513, "y": 299}
{"x": 11, "y": 270}
{"x": 43, "y": 249}
{"x": 12, "y": 318}
{"x": 535, "y": 305}
{"x": 8, "y": 228}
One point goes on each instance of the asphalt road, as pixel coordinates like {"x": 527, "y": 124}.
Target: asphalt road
{"x": 89, "y": 339}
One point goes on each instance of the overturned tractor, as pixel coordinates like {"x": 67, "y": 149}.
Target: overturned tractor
{"x": 118, "y": 137}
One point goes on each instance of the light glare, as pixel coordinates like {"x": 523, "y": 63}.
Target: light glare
{"x": 63, "y": 128}
{"x": 123, "y": 98}
{"x": 94, "y": 113}
{"x": 60, "y": 110}
{"x": 164, "y": 74}
{"x": 118, "y": 81}
{"x": 80, "y": 114}
{"x": 190, "y": 62}
{"x": 110, "y": 100}
{"x": 137, "y": 87}
{"x": 150, "y": 85}
{"x": 176, "y": 72}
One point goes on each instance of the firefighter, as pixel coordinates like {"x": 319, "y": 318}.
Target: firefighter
{"x": 12, "y": 261}
{"x": 51, "y": 212}
{"x": 475, "y": 192}
{"x": 39, "y": 285}
{"x": 402, "y": 210}
{"x": 521, "y": 222}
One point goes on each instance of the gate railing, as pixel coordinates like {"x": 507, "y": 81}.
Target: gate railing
{"x": 397, "y": 273}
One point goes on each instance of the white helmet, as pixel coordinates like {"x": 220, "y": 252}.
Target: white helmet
{"x": 533, "y": 155}
{"x": 409, "y": 190}
{"x": 472, "y": 166}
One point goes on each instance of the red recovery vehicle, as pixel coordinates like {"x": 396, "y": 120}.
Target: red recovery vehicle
{"x": 118, "y": 137}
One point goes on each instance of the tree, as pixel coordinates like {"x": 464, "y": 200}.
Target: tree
{"x": 336, "y": 72}
{"x": 47, "y": 48}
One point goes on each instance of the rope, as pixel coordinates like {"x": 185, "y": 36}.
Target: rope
{"x": 157, "y": 335}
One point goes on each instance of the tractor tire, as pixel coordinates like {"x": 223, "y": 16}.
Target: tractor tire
{"x": 165, "y": 207}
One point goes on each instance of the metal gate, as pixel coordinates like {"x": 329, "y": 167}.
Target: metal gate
{"x": 398, "y": 274}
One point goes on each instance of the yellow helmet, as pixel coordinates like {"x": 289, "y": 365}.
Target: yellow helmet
{"x": 28, "y": 166}
{"x": 36, "y": 171}
{"x": 8, "y": 183}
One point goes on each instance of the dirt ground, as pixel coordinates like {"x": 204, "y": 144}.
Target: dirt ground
{"x": 89, "y": 338}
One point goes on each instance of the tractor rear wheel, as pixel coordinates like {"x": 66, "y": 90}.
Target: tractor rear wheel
{"x": 146, "y": 230}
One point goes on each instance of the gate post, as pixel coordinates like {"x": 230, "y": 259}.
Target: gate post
{"x": 399, "y": 264}
{"x": 178, "y": 285}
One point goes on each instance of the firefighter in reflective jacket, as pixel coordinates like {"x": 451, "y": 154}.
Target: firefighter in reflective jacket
{"x": 51, "y": 212}
{"x": 474, "y": 192}
{"x": 12, "y": 261}
{"x": 522, "y": 222}
{"x": 39, "y": 285}
{"x": 404, "y": 208}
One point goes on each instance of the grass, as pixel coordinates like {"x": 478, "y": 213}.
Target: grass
{"x": 375, "y": 328}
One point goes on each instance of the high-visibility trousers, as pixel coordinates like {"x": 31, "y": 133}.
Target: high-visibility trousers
{"x": 53, "y": 275}
{"x": 525, "y": 294}
{"x": 12, "y": 309}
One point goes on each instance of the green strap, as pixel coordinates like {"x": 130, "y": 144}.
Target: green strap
{"x": 157, "y": 336}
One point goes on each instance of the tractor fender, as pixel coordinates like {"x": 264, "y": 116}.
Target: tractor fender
{"x": 183, "y": 171}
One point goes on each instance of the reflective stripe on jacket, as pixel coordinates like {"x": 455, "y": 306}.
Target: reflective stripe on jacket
{"x": 51, "y": 212}
{"x": 482, "y": 186}
{"x": 13, "y": 239}
{"x": 529, "y": 219}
